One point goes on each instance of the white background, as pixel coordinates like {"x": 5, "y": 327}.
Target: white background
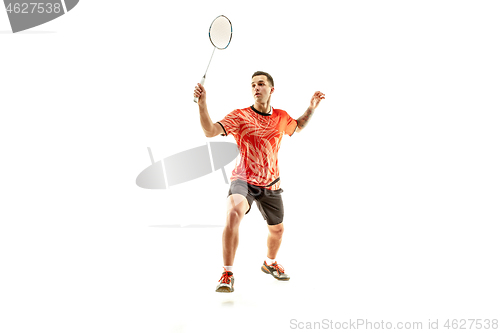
{"x": 391, "y": 192}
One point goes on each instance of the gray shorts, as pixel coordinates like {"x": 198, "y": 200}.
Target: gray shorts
{"x": 269, "y": 202}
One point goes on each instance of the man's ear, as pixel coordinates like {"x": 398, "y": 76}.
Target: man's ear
{"x": 272, "y": 90}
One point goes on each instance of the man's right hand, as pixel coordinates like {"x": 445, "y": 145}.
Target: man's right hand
{"x": 201, "y": 93}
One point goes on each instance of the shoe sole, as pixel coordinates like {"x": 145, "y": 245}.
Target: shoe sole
{"x": 265, "y": 270}
{"x": 224, "y": 290}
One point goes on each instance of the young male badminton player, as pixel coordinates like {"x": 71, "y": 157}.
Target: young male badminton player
{"x": 258, "y": 131}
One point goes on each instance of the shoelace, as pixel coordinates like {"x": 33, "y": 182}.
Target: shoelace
{"x": 225, "y": 278}
{"x": 278, "y": 267}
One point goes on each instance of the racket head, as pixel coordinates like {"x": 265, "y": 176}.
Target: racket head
{"x": 220, "y": 32}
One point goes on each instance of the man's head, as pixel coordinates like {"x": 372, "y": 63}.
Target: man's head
{"x": 262, "y": 86}
{"x": 268, "y": 76}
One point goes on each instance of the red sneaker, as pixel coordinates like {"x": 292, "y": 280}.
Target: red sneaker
{"x": 226, "y": 282}
{"x": 277, "y": 271}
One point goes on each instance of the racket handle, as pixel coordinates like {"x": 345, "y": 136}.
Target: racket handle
{"x": 202, "y": 82}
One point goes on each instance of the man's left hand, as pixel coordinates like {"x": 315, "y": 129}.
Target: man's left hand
{"x": 316, "y": 99}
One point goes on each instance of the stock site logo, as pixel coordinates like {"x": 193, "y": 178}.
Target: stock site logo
{"x": 187, "y": 165}
{"x": 25, "y": 14}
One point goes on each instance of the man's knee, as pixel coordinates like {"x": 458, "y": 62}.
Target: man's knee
{"x": 277, "y": 230}
{"x": 234, "y": 214}
{"x": 234, "y": 217}
{"x": 237, "y": 206}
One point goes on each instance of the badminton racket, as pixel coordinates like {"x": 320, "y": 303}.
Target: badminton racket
{"x": 220, "y": 34}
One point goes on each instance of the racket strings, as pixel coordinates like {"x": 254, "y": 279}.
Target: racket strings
{"x": 220, "y": 32}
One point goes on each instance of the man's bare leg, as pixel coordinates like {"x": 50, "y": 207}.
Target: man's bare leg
{"x": 274, "y": 240}
{"x": 273, "y": 244}
{"x": 237, "y": 206}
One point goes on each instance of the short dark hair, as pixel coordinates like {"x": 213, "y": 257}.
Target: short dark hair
{"x": 269, "y": 77}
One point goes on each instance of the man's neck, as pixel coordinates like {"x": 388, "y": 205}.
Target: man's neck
{"x": 264, "y": 108}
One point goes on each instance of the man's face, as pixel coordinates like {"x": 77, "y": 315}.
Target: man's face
{"x": 261, "y": 89}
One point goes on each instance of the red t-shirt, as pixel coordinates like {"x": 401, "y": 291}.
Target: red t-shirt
{"x": 258, "y": 136}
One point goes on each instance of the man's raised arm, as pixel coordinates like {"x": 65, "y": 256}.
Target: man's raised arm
{"x": 306, "y": 117}
{"x": 209, "y": 128}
